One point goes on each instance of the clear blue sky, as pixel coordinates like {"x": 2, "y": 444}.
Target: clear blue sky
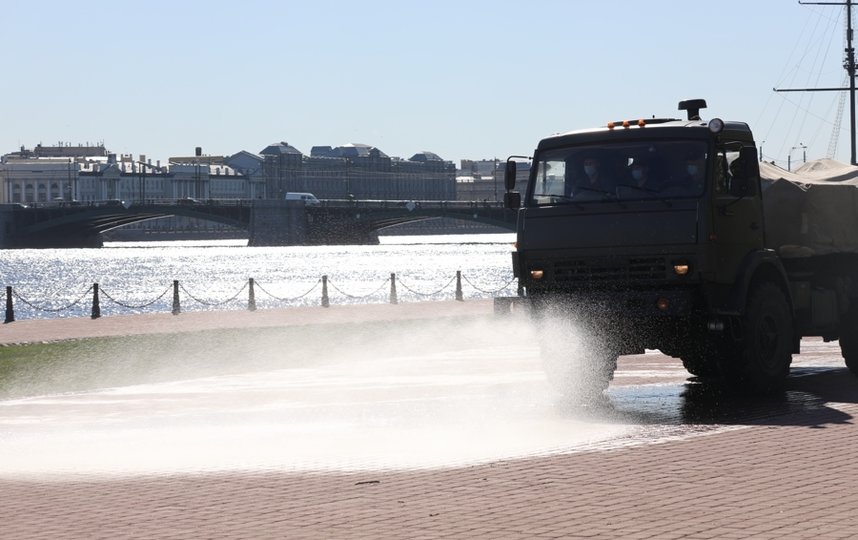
{"x": 465, "y": 79}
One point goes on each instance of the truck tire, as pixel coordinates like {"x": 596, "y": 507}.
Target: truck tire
{"x": 849, "y": 340}
{"x": 700, "y": 365}
{"x": 702, "y": 352}
{"x": 766, "y": 343}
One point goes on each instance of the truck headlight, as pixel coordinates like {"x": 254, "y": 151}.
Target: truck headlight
{"x": 681, "y": 269}
{"x": 537, "y": 274}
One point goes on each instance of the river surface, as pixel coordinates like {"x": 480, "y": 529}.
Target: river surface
{"x": 137, "y": 277}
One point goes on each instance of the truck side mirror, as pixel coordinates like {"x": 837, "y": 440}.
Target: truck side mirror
{"x": 509, "y": 175}
{"x": 512, "y": 200}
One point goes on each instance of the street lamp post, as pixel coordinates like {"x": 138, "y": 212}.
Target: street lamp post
{"x": 495, "y": 177}
{"x": 803, "y": 156}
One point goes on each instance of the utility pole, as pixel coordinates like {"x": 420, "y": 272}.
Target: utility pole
{"x": 848, "y": 65}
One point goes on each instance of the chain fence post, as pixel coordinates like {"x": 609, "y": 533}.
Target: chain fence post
{"x": 96, "y": 305}
{"x": 176, "y": 307}
{"x": 10, "y": 312}
{"x": 393, "y": 299}
{"x": 459, "y": 286}
{"x": 251, "y": 297}
{"x": 325, "y": 301}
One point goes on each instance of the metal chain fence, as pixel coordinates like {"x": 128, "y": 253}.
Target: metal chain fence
{"x": 252, "y": 285}
{"x": 434, "y": 293}
{"x": 134, "y": 307}
{"x": 357, "y": 297}
{"x": 212, "y": 304}
{"x": 292, "y": 299}
{"x": 49, "y": 309}
{"x": 495, "y": 291}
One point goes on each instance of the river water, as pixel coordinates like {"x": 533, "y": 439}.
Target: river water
{"x": 137, "y": 277}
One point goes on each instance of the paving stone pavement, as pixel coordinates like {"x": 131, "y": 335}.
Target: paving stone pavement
{"x": 782, "y": 475}
{"x": 762, "y": 481}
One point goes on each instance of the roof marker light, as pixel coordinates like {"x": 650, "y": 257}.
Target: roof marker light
{"x": 611, "y": 125}
{"x": 641, "y": 123}
{"x": 626, "y": 124}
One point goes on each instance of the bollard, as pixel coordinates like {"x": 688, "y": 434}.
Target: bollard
{"x": 96, "y": 306}
{"x": 251, "y": 297}
{"x": 393, "y": 299}
{"x": 459, "y": 286}
{"x": 176, "y": 307}
{"x": 325, "y": 301}
{"x": 10, "y": 313}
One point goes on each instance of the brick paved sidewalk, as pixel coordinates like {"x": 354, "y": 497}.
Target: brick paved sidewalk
{"x": 772, "y": 481}
{"x": 786, "y": 476}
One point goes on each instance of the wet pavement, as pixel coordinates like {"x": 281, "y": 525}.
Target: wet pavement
{"x": 447, "y": 432}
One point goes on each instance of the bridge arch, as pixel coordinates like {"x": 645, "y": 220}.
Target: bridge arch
{"x": 268, "y": 222}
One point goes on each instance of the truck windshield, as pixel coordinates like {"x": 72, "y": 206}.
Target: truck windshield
{"x": 660, "y": 169}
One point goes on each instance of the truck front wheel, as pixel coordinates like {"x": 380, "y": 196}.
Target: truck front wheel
{"x": 849, "y": 340}
{"x": 766, "y": 344}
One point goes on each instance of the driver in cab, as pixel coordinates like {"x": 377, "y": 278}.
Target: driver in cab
{"x": 590, "y": 183}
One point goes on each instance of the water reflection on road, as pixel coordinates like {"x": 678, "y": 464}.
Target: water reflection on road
{"x": 404, "y": 409}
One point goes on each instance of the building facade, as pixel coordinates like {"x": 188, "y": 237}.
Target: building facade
{"x": 357, "y": 171}
{"x": 91, "y": 174}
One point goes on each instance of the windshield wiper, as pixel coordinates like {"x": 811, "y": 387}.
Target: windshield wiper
{"x": 607, "y": 194}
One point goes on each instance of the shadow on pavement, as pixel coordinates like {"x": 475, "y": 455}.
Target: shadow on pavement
{"x": 808, "y": 399}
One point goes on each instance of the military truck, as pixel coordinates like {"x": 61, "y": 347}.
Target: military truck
{"x": 660, "y": 233}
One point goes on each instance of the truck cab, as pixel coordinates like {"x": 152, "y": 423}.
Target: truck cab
{"x": 650, "y": 234}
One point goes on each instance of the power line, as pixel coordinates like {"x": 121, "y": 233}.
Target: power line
{"x": 848, "y": 65}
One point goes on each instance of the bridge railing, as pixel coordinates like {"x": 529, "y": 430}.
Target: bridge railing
{"x": 127, "y": 203}
{"x": 250, "y": 296}
{"x": 337, "y": 203}
{"x": 409, "y": 204}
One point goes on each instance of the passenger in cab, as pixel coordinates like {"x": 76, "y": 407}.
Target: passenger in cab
{"x": 591, "y": 182}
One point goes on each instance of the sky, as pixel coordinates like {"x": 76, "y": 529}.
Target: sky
{"x": 466, "y": 79}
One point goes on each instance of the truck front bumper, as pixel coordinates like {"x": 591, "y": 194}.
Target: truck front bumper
{"x": 638, "y": 303}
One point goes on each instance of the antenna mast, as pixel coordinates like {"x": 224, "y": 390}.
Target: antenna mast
{"x": 848, "y": 65}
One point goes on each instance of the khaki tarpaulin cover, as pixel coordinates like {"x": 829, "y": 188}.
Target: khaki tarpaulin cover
{"x": 812, "y": 210}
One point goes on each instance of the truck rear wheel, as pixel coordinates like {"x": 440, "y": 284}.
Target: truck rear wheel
{"x": 766, "y": 345}
{"x": 849, "y": 340}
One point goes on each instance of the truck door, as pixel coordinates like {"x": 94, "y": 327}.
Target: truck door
{"x": 737, "y": 219}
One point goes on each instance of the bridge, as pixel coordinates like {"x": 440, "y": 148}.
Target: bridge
{"x": 268, "y": 222}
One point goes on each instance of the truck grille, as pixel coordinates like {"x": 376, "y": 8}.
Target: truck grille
{"x": 613, "y": 271}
